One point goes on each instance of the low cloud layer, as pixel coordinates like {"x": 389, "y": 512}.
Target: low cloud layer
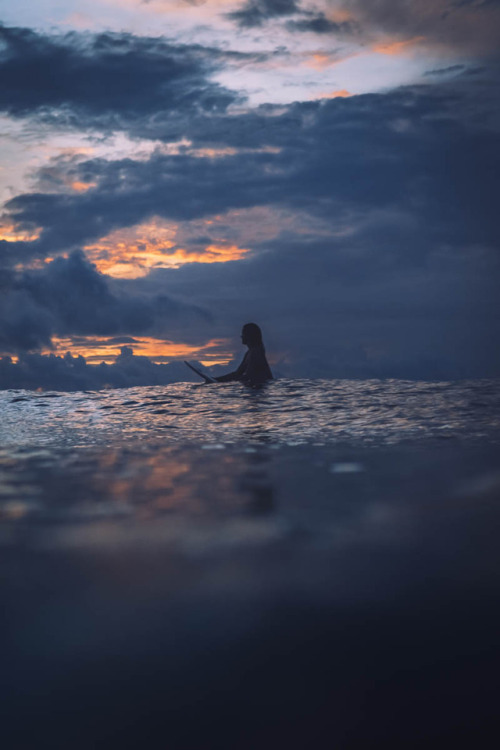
{"x": 69, "y": 373}
{"x": 69, "y": 297}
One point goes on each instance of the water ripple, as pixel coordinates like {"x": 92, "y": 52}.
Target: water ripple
{"x": 285, "y": 411}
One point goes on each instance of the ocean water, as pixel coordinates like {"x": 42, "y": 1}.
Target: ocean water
{"x": 284, "y": 412}
{"x": 221, "y": 567}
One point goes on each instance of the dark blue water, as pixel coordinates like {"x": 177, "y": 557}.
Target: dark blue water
{"x": 311, "y": 564}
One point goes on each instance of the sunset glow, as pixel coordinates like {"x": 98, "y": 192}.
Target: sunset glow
{"x": 82, "y": 187}
{"x": 133, "y": 252}
{"x": 12, "y": 233}
{"x": 320, "y": 60}
{"x": 342, "y": 93}
{"x": 98, "y": 349}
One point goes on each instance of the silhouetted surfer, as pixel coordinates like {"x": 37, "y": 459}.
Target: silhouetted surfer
{"x": 254, "y": 368}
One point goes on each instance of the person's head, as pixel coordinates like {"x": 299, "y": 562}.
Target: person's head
{"x": 251, "y": 335}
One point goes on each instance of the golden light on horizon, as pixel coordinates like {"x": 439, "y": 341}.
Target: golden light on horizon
{"x": 97, "y": 349}
{"x": 133, "y": 252}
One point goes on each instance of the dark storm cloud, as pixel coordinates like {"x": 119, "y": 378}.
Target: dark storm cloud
{"x": 255, "y": 13}
{"x": 69, "y": 297}
{"x": 84, "y": 79}
{"x": 420, "y": 150}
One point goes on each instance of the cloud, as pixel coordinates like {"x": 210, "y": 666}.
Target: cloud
{"x": 471, "y": 27}
{"x": 428, "y": 150}
{"x": 446, "y": 71}
{"x": 468, "y": 27}
{"x": 69, "y": 373}
{"x": 69, "y": 297}
{"x": 319, "y": 23}
{"x": 255, "y": 13}
{"x": 82, "y": 79}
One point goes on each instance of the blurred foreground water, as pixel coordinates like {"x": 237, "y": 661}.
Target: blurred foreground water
{"x": 312, "y": 563}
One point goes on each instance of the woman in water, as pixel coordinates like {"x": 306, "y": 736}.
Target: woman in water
{"x": 254, "y": 369}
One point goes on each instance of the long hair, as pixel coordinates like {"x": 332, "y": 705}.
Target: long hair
{"x": 253, "y": 334}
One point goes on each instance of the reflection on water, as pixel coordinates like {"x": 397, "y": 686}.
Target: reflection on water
{"x": 156, "y": 482}
{"x": 285, "y": 412}
{"x": 186, "y": 495}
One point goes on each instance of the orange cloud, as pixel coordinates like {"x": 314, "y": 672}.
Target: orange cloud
{"x": 81, "y": 187}
{"x": 397, "y": 48}
{"x": 132, "y": 252}
{"x": 334, "y": 94}
{"x": 98, "y": 349}
{"x": 213, "y": 254}
{"x": 11, "y": 233}
{"x": 319, "y": 61}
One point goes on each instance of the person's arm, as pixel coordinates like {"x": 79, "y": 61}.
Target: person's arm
{"x": 236, "y": 375}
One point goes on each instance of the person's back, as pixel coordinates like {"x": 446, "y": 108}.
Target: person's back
{"x": 257, "y": 369}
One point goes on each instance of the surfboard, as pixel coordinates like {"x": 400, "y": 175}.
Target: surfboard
{"x": 207, "y": 378}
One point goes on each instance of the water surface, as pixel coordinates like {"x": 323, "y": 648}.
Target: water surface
{"x": 218, "y": 567}
{"x": 283, "y": 412}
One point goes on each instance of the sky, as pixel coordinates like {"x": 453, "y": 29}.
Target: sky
{"x": 171, "y": 170}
